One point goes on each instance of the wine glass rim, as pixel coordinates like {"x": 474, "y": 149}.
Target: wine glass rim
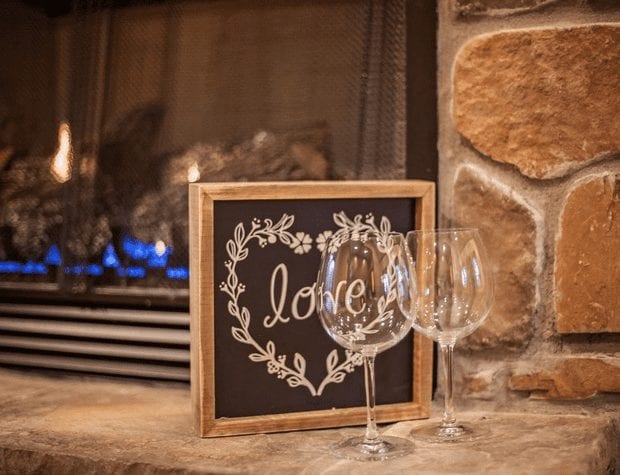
{"x": 368, "y": 234}
{"x": 443, "y": 230}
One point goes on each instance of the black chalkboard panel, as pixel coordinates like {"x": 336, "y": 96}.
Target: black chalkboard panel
{"x": 259, "y": 351}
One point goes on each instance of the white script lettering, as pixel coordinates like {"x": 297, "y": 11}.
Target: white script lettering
{"x": 279, "y": 300}
{"x": 355, "y": 290}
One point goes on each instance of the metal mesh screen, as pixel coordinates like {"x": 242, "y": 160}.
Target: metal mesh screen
{"x": 143, "y": 97}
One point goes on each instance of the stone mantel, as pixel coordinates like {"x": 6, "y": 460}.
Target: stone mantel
{"x": 75, "y": 425}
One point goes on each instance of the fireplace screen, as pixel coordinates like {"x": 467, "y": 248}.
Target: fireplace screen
{"x": 109, "y": 108}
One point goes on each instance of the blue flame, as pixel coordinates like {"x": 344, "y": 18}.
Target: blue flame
{"x": 177, "y": 273}
{"x": 10, "y": 267}
{"x": 140, "y": 251}
{"x": 36, "y": 268}
{"x": 132, "y": 272}
{"x": 73, "y": 270}
{"x": 110, "y": 259}
{"x": 52, "y": 258}
{"x": 135, "y": 248}
{"x": 158, "y": 260}
{"x": 94, "y": 270}
{"x": 152, "y": 255}
{"x": 80, "y": 269}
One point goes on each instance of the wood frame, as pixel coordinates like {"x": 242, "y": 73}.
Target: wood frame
{"x": 202, "y": 198}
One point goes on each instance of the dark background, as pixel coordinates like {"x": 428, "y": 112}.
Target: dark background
{"x": 243, "y": 387}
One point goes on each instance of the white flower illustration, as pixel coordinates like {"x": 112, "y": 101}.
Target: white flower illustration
{"x": 321, "y": 240}
{"x": 301, "y": 243}
{"x": 357, "y": 359}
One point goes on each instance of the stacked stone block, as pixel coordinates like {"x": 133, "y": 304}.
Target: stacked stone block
{"x": 529, "y": 145}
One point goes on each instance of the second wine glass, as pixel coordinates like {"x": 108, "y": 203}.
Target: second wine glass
{"x": 454, "y": 294}
{"x": 360, "y": 280}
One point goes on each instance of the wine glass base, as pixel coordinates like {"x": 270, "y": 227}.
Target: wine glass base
{"x": 457, "y": 433}
{"x": 386, "y": 448}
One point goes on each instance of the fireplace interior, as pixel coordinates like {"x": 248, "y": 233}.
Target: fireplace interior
{"x": 108, "y": 109}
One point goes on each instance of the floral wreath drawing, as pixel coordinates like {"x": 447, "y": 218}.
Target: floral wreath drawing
{"x": 266, "y": 232}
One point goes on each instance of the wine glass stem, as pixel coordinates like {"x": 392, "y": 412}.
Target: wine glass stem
{"x": 448, "y": 420}
{"x": 372, "y": 435}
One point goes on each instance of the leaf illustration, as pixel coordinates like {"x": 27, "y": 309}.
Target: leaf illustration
{"x": 244, "y": 317}
{"x": 389, "y": 314}
{"x": 243, "y": 254}
{"x": 232, "y": 280}
{"x": 231, "y": 248}
{"x": 340, "y": 220}
{"x": 385, "y": 225}
{"x": 257, "y": 357}
{"x": 293, "y": 381}
{"x": 381, "y": 304}
{"x": 300, "y": 363}
{"x": 232, "y": 308}
{"x": 271, "y": 348}
{"x": 287, "y": 221}
{"x": 239, "y": 233}
{"x": 338, "y": 377}
{"x": 239, "y": 335}
{"x": 286, "y": 238}
{"x": 332, "y": 360}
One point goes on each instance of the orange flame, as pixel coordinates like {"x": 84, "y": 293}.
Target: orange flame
{"x": 193, "y": 173}
{"x": 61, "y": 163}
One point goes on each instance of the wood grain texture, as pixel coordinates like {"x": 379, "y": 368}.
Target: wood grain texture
{"x": 202, "y": 198}
{"x": 417, "y": 189}
{"x": 195, "y": 230}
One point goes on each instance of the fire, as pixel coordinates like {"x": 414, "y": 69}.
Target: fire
{"x": 160, "y": 248}
{"x": 61, "y": 163}
{"x": 193, "y": 173}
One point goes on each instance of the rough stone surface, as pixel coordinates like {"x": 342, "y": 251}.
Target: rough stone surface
{"x": 587, "y": 261}
{"x": 59, "y": 426}
{"x": 479, "y": 385}
{"x": 545, "y": 101}
{"x": 508, "y": 228}
{"x": 497, "y": 7}
{"x": 571, "y": 378}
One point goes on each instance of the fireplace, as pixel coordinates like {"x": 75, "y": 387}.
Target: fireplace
{"x": 108, "y": 109}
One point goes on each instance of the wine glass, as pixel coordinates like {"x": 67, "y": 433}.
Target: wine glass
{"x": 358, "y": 304}
{"x": 454, "y": 294}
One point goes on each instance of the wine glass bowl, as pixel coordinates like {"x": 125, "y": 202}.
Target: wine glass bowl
{"x": 363, "y": 280}
{"x": 455, "y": 288}
{"x": 453, "y": 295}
{"x": 362, "y": 314}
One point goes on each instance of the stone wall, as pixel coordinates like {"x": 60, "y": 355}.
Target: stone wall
{"x": 529, "y": 144}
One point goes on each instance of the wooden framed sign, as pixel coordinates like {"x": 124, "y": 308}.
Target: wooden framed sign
{"x": 261, "y": 360}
